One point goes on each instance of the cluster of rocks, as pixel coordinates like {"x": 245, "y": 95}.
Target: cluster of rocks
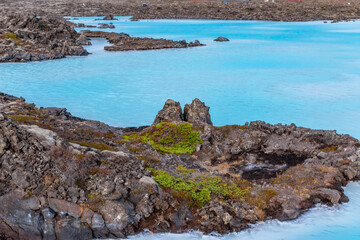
{"x": 109, "y": 17}
{"x": 310, "y": 10}
{"x": 63, "y": 177}
{"x": 100, "y": 25}
{"x": 33, "y": 38}
{"x": 124, "y": 42}
{"x": 82, "y": 25}
{"x": 24, "y": 38}
{"x": 105, "y": 25}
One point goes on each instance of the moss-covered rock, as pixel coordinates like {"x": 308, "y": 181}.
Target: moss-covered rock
{"x": 197, "y": 188}
{"x": 169, "y": 138}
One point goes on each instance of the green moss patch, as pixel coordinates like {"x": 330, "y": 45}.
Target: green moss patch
{"x": 169, "y": 138}
{"x": 8, "y": 35}
{"x": 97, "y": 145}
{"x": 199, "y": 189}
{"x": 227, "y": 129}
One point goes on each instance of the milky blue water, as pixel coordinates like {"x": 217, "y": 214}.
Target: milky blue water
{"x": 306, "y": 73}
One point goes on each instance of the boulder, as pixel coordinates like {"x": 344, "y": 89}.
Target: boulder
{"x": 116, "y": 216}
{"x": 64, "y": 207}
{"x": 83, "y": 40}
{"x": 17, "y": 217}
{"x": 221, "y": 39}
{"x": 109, "y": 17}
{"x": 104, "y": 25}
{"x": 72, "y": 229}
{"x": 46, "y": 137}
{"x": 197, "y": 112}
{"x": 171, "y": 112}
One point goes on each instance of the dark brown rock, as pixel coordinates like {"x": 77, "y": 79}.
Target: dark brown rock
{"x": 221, "y": 39}
{"x": 71, "y": 229}
{"x": 33, "y": 38}
{"x": 124, "y": 42}
{"x": 197, "y": 111}
{"x": 171, "y": 112}
{"x": 109, "y": 17}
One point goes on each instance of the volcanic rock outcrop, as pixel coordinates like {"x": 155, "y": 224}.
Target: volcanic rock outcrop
{"x": 33, "y": 38}
{"x": 63, "y": 177}
{"x": 124, "y": 42}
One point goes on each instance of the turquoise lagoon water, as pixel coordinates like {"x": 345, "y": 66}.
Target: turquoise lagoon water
{"x": 306, "y": 73}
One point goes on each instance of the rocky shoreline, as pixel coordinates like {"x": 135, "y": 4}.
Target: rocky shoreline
{"x": 63, "y": 177}
{"x": 307, "y": 10}
{"x": 25, "y": 39}
{"x": 31, "y": 38}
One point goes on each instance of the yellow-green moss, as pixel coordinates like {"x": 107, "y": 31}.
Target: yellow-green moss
{"x": 24, "y": 118}
{"x": 97, "y": 145}
{"x": 8, "y": 35}
{"x": 229, "y": 128}
{"x": 198, "y": 189}
{"x": 169, "y": 138}
{"x": 330, "y": 149}
{"x": 260, "y": 198}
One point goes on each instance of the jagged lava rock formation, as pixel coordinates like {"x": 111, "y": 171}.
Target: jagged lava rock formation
{"x": 124, "y": 42}
{"x": 63, "y": 177}
{"x": 24, "y": 38}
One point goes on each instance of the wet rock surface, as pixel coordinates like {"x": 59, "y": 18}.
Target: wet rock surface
{"x": 124, "y": 42}
{"x": 63, "y": 177}
{"x": 31, "y": 38}
{"x": 221, "y": 39}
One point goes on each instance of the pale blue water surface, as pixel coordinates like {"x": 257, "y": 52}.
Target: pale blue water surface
{"x": 306, "y": 73}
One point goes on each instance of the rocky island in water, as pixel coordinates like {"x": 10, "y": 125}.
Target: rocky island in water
{"x": 63, "y": 177}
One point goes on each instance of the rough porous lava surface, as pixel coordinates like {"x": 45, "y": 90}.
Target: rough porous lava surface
{"x": 63, "y": 177}
{"x": 307, "y": 10}
{"x": 33, "y": 38}
{"x": 124, "y": 42}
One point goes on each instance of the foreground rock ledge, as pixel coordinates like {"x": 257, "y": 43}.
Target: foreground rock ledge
{"x": 63, "y": 177}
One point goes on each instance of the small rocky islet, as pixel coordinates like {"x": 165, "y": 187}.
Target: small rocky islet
{"x": 63, "y": 177}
